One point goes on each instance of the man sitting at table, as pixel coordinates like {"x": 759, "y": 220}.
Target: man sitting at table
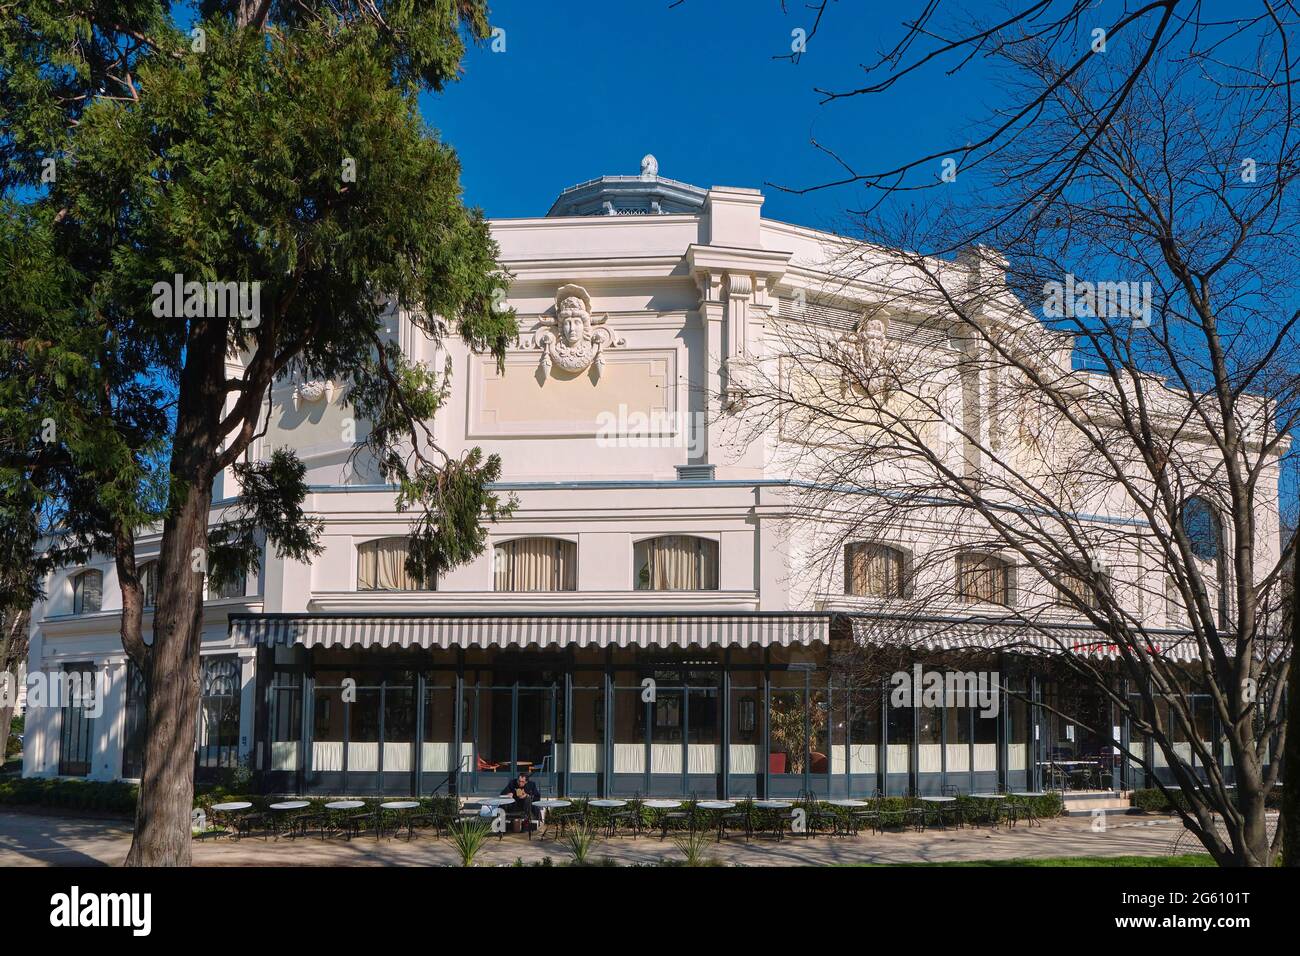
{"x": 525, "y": 794}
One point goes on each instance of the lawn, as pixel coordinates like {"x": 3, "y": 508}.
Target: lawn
{"x": 1186, "y": 859}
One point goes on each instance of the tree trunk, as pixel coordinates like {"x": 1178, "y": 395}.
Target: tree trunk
{"x": 1290, "y": 757}
{"x": 162, "y": 827}
{"x": 162, "y": 823}
{"x": 13, "y": 652}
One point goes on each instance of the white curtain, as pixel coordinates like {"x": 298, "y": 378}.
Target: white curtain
{"x": 381, "y": 566}
{"x": 958, "y": 757}
{"x": 327, "y": 755}
{"x": 703, "y": 758}
{"x": 898, "y": 756}
{"x": 586, "y": 758}
{"x": 875, "y": 570}
{"x": 676, "y": 563}
{"x": 435, "y": 756}
{"x": 743, "y": 758}
{"x": 629, "y": 758}
{"x": 986, "y": 756}
{"x": 929, "y": 758}
{"x": 397, "y": 757}
{"x": 862, "y": 758}
{"x": 284, "y": 755}
{"x": 1016, "y": 756}
{"x": 363, "y": 757}
{"x": 536, "y": 564}
{"x": 665, "y": 758}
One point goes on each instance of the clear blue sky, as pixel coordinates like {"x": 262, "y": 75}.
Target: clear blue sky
{"x": 584, "y": 89}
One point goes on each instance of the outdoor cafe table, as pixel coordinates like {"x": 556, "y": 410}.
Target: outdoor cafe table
{"x": 775, "y": 805}
{"x": 340, "y": 806}
{"x": 942, "y": 802}
{"x": 1000, "y": 797}
{"x": 230, "y": 810}
{"x": 551, "y": 804}
{"x": 286, "y": 807}
{"x": 607, "y": 804}
{"x": 403, "y": 810}
{"x": 719, "y": 806}
{"x": 849, "y": 804}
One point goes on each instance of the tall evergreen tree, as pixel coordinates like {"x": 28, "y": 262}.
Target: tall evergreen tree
{"x": 278, "y": 146}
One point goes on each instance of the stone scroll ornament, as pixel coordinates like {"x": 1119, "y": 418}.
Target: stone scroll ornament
{"x": 573, "y": 339}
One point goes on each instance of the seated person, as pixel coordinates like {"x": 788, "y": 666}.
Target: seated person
{"x": 525, "y": 794}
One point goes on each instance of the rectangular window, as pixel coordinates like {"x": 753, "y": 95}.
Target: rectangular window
{"x": 874, "y": 570}
{"x": 982, "y": 577}
{"x": 381, "y": 566}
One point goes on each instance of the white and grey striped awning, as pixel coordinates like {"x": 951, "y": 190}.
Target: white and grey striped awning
{"x": 520, "y": 630}
{"x": 973, "y": 634}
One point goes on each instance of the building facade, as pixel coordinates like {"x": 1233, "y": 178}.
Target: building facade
{"x": 640, "y": 623}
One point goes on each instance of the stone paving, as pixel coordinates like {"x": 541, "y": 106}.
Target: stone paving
{"x": 41, "y": 839}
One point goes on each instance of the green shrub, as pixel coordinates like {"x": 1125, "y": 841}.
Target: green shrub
{"x": 1152, "y": 800}
{"x": 110, "y": 797}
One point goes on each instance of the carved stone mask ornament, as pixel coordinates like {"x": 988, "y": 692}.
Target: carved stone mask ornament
{"x": 312, "y": 392}
{"x": 573, "y": 338}
{"x": 866, "y": 355}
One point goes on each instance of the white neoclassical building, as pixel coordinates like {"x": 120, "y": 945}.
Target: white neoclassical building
{"x": 647, "y": 545}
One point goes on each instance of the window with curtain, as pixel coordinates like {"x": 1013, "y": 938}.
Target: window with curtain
{"x": 874, "y": 570}
{"x": 983, "y": 577}
{"x": 676, "y": 562}
{"x": 87, "y": 592}
{"x": 536, "y": 564}
{"x": 1068, "y": 583}
{"x": 381, "y": 566}
{"x": 149, "y": 582}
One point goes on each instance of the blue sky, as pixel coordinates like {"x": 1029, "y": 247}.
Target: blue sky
{"x": 584, "y": 89}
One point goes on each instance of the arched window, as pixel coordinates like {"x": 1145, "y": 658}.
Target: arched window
{"x": 149, "y": 582}
{"x": 1203, "y": 528}
{"x": 675, "y": 562}
{"x": 874, "y": 570}
{"x": 87, "y": 592}
{"x": 985, "y": 578}
{"x": 536, "y": 564}
{"x": 381, "y": 566}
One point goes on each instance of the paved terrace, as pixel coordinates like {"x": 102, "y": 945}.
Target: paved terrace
{"x": 31, "y": 839}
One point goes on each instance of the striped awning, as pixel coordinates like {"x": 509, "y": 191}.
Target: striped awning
{"x": 451, "y": 631}
{"x": 973, "y": 634}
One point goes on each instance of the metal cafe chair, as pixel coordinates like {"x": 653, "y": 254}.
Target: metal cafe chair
{"x": 630, "y": 816}
{"x": 913, "y": 814}
{"x": 739, "y": 820}
{"x": 687, "y": 814}
{"x": 872, "y": 816}
{"x": 819, "y": 817}
{"x": 951, "y": 811}
{"x": 564, "y": 817}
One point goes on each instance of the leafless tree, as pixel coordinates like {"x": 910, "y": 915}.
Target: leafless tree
{"x": 1089, "y": 425}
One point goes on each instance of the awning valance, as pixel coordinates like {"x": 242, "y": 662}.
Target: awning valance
{"x": 522, "y": 630}
{"x": 973, "y": 634}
